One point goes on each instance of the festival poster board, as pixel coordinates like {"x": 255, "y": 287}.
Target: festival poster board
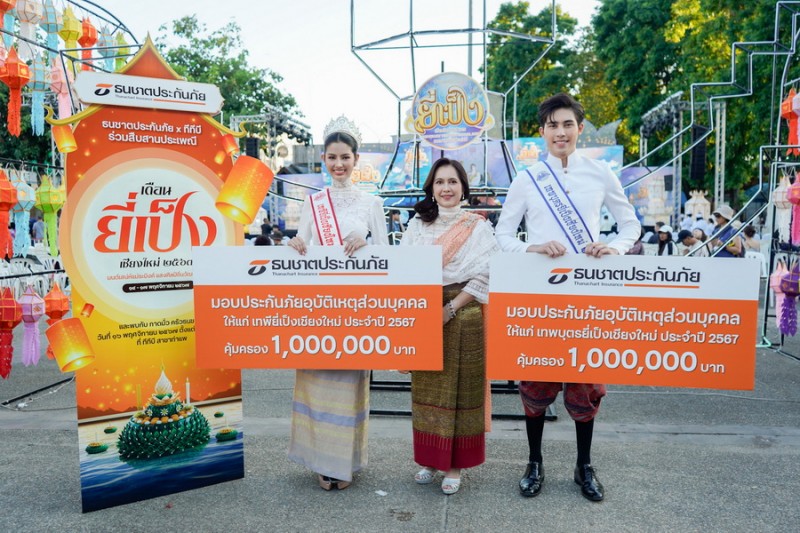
{"x": 269, "y": 307}
{"x": 628, "y": 320}
{"x": 141, "y": 189}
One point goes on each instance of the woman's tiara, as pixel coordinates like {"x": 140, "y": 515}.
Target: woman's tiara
{"x": 342, "y": 125}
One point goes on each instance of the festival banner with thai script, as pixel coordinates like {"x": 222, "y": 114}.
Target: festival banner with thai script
{"x": 628, "y": 320}
{"x": 269, "y": 307}
{"x": 141, "y": 190}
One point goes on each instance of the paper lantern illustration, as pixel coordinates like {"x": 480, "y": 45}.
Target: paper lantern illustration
{"x": 60, "y": 81}
{"x": 40, "y": 82}
{"x": 10, "y": 316}
{"x": 49, "y": 200}
{"x": 70, "y": 344}
{"x": 71, "y": 30}
{"x": 56, "y": 306}
{"x": 8, "y": 199}
{"x": 230, "y": 144}
{"x": 29, "y": 13}
{"x": 14, "y": 73}
{"x": 122, "y": 51}
{"x": 26, "y": 199}
{"x": 50, "y": 23}
{"x": 64, "y": 138}
{"x": 244, "y": 190}
{"x": 32, "y": 310}
{"x": 87, "y": 40}
{"x": 105, "y": 42}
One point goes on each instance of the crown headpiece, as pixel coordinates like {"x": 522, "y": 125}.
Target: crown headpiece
{"x": 342, "y": 125}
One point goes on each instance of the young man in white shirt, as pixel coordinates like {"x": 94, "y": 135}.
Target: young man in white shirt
{"x": 586, "y": 185}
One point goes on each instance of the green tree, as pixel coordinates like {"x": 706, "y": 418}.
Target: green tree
{"x": 219, "y": 57}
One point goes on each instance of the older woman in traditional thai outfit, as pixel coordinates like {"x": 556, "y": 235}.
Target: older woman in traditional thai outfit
{"x": 330, "y": 409}
{"x": 448, "y": 406}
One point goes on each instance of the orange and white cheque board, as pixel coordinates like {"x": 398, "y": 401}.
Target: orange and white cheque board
{"x": 269, "y": 307}
{"x": 628, "y": 320}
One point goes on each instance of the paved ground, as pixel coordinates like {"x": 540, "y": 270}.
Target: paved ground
{"x": 671, "y": 459}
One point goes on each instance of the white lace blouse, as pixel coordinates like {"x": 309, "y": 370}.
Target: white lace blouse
{"x": 471, "y": 263}
{"x": 358, "y": 213}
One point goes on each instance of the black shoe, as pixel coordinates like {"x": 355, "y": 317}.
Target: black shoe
{"x": 586, "y": 477}
{"x": 532, "y": 481}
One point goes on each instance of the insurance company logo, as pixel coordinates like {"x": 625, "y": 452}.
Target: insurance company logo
{"x": 258, "y": 267}
{"x": 559, "y": 275}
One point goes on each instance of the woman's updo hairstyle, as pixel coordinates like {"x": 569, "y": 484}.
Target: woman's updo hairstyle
{"x": 427, "y": 208}
{"x": 341, "y": 137}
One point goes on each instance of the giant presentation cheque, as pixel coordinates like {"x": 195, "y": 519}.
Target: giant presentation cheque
{"x": 629, "y": 320}
{"x": 269, "y": 307}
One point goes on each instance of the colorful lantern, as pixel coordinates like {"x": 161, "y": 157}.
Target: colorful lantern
{"x": 775, "y": 284}
{"x": 787, "y": 113}
{"x": 56, "y": 306}
{"x": 793, "y": 195}
{"x": 70, "y": 344}
{"x": 122, "y": 51}
{"x": 40, "y": 82}
{"x": 783, "y": 208}
{"x": 14, "y": 73}
{"x": 64, "y": 138}
{"x": 244, "y": 190}
{"x": 71, "y": 30}
{"x": 105, "y": 42}
{"x": 29, "y": 13}
{"x": 10, "y": 316}
{"x": 26, "y": 198}
{"x": 32, "y": 310}
{"x": 50, "y": 23}
{"x": 8, "y": 199}
{"x": 3, "y": 53}
{"x": 49, "y": 200}
{"x": 60, "y": 86}
{"x": 790, "y": 287}
{"x": 7, "y": 20}
{"x": 230, "y": 144}
{"x": 87, "y": 40}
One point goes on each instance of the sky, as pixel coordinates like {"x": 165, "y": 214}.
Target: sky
{"x": 308, "y": 42}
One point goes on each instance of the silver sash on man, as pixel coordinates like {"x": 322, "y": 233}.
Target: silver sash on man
{"x": 325, "y": 219}
{"x": 560, "y": 205}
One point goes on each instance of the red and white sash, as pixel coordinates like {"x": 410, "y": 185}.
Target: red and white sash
{"x": 325, "y": 220}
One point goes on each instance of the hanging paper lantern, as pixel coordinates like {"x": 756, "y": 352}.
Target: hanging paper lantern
{"x": 793, "y": 195}
{"x": 56, "y": 306}
{"x": 32, "y": 310}
{"x": 10, "y": 316}
{"x": 775, "y": 284}
{"x": 3, "y": 53}
{"x": 8, "y": 199}
{"x": 29, "y": 13}
{"x": 26, "y": 198}
{"x": 7, "y": 17}
{"x": 105, "y": 42}
{"x": 14, "y": 73}
{"x": 87, "y": 40}
{"x": 49, "y": 200}
{"x": 60, "y": 86}
{"x": 790, "y": 286}
{"x": 783, "y": 208}
{"x": 50, "y": 23}
{"x": 40, "y": 82}
{"x": 787, "y": 113}
{"x": 71, "y": 30}
{"x": 122, "y": 51}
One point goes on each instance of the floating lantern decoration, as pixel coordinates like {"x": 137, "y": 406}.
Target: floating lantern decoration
{"x": 50, "y": 23}
{"x": 32, "y": 310}
{"x": 87, "y": 40}
{"x": 10, "y": 316}
{"x": 56, "y": 306}
{"x": 60, "y": 81}
{"x": 122, "y": 51}
{"x": 40, "y": 82}
{"x": 49, "y": 200}
{"x": 64, "y": 138}
{"x": 70, "y": 344}
{"x": 105, "y": 43}
{"x": 230, "y": 144}
{"x": 26, "y": 199}
{"x": 29, "y": 13}
{"x": 71, "y": 30}
{"x": 8, "y": 199}
{"x": 244, "y": 190}
{"x": 14, "y": 73}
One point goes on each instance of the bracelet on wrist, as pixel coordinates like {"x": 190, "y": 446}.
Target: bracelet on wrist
{"x": 451, "y": 309}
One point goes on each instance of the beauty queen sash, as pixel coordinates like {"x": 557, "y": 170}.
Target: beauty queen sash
{"x": 325, "y": 219}
{"x": 558, "y": 201}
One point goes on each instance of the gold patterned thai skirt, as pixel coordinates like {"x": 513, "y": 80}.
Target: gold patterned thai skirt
{"x": 448, "y": 406}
